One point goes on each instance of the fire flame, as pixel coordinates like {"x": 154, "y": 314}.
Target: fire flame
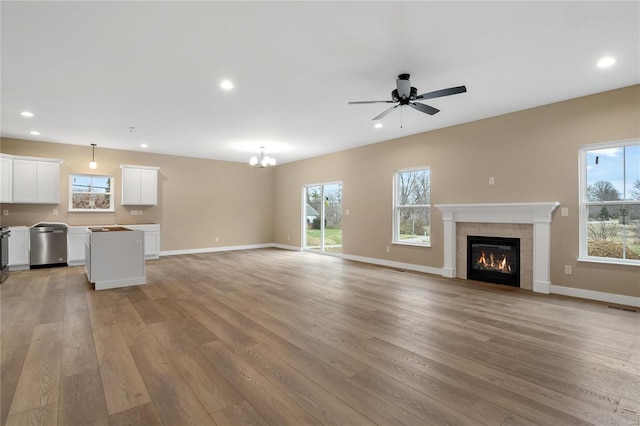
{"x": 492, "y": 263}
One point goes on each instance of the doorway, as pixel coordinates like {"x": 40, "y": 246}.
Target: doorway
{"x": 322, "y": 218}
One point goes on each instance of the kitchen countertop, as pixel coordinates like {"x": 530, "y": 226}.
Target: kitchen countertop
{"x": 108, "y": 229}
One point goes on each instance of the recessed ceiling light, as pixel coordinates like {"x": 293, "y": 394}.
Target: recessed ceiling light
{"x": 34, "y": 132}
{"x": 378, "y": 125}
{"x": 26, "y": 114}
{"x": 226, "y": 85}
{"x": 144, "y": 145}
{"x": 605, "y": 62}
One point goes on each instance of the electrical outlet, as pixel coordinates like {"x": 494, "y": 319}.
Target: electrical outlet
{"x": 567, "y": 270}
{"x": 134, "y": 212}
{"x": 565, "y": 211}
{"x": 140, "y": 212}
{"x": 492, "y": 181}
{"x": 55, "y": 212}
{"x": 217, "y": 239}
{"x": 388, "y": 249}
{"x": 347, "y": 212}
{"x": 5, "y": 212}
{"x": 288, "y": 237}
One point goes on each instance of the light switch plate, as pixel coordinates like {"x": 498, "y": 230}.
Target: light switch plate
{"x": 565, "y": 211}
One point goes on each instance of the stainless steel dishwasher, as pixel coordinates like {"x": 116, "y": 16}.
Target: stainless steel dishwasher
{"x": 48, "y": 245}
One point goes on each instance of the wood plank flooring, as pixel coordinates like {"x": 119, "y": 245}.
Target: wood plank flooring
{"x": 272, "y": 337}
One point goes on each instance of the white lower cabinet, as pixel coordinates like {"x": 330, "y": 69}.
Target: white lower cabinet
{"x": 76, "y": 237}
{"x": 151, "y": 239}
{"x": 19, "y": 248}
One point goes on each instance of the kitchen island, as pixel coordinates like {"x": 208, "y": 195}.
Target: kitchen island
{"x": 114, "y": 257}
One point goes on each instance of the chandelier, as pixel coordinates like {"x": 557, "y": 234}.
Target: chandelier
{"x": 262, "y": 161}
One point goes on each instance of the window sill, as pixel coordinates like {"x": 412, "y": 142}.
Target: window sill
{"x": 399, "y": 243}
{"x": 609, "y": 261}
{"x": 91, "y": 211}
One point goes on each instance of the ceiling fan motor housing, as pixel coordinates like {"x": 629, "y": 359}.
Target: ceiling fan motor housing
{"x": 403, "y": 101}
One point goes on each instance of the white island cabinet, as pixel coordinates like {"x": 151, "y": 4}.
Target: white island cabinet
{"x": 114, "y": 257}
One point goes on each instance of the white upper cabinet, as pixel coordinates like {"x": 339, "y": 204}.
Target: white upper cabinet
{"x": 36, "y": 180}
{"x": 139, "y": 185}
{"x": 6, "y": 179}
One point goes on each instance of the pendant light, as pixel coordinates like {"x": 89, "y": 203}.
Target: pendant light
{"x": 93, "y": 165}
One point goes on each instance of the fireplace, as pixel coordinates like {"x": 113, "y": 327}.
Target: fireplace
{"x": 536, "y": 264}
{"x": 493, "y": 259}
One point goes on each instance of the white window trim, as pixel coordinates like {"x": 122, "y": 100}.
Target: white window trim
{"x": 71, "y": 209}
{"x": 395, "y": 240}
{"x": 584, "y": 204}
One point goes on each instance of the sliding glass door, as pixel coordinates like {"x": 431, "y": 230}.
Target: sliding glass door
{"x": 323, "y": 217}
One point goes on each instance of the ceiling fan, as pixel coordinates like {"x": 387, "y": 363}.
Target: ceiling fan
{"x": 406, "y": 95}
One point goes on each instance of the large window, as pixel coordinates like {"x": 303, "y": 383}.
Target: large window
{"x": 610, "y": 202}
{"x": 412, "y": 207}
{"x": 90, "y": 193}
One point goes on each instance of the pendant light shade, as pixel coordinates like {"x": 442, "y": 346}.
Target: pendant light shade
{"x": 92, "y": 164}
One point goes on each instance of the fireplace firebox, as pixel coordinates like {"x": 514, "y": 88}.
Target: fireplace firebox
{"x": 493, "y": 259}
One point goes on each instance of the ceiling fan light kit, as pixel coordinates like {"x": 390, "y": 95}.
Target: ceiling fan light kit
{"x": 404, "y": 94}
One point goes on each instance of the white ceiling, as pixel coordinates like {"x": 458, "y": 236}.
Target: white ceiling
{"x": 91, "y": 70}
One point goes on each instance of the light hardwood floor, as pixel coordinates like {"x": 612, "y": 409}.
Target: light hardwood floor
{"x": 271, "y": 337}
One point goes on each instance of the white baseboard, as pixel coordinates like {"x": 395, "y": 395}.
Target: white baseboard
{"x": 392, "y": 264}
{"x": 214, "y": 249}
{"x": 595, "y": 295}
{"x": 123, "y": 282}
{"x": 286, "y": 247}
{"x": 541, "y": 287}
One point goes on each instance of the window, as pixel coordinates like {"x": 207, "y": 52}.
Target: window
{"x": 412, "y": 208}
{"x": 90, "y": 193}
{"x": 610, "y": 202}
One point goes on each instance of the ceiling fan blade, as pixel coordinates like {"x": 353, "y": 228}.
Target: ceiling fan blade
{"x": 371, "y": 102}
{"x": 404, "y": 88}
{"x": 378, "y": 117}
{"x": 442, "y": 92}
{"x": 424, "y": 108}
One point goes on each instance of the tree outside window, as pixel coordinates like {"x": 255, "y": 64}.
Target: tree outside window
{"x": 412, "y": 210}
{"x": 90, "y": 193}
{"x": 610, "y": 202}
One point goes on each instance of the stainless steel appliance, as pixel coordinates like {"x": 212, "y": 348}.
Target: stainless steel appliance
{"x": 5, "y": 233}
{"x": 48, "y": 245}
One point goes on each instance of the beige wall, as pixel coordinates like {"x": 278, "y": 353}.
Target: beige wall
{"x": 198, "y": 200}
{"x": 532, "y": 154}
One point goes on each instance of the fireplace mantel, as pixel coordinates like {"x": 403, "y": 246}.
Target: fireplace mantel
{"x": 536, "y": 214}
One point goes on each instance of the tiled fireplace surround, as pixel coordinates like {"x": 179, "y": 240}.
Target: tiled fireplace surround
{"x": 531, "y": 222}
